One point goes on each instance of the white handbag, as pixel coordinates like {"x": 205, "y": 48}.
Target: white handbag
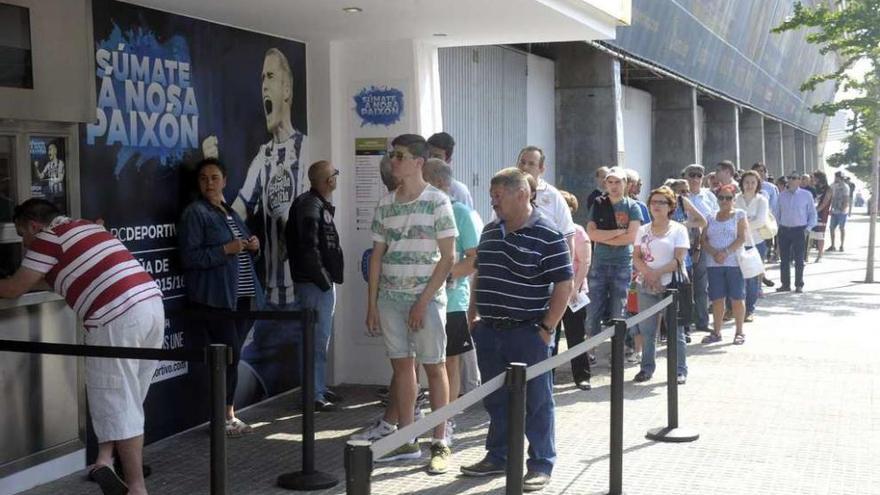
{"x": 749, "y": 260}
{"x": 770, "y": 228}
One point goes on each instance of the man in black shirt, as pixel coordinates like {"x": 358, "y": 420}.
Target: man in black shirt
{"x": 314, "y": 243}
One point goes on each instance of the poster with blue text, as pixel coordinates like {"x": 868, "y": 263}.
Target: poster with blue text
{"x": 172, "y": 90}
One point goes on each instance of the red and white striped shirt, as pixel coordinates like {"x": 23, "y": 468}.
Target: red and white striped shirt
{"x": 91, "y": 269}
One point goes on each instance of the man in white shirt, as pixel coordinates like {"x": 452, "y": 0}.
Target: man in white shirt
{"x": 704, "y": 201}
{"x": 548, "y": 201}
{"x": 441, "y": 145}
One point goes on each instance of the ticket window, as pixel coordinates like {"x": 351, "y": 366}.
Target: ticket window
{"x": 37, "y": 160}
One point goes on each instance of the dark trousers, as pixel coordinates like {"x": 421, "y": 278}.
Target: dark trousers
{"x": 575, "y": 325}
{"x": 495, "y": 350}
{"x": 230, "y": 333}
{"x": 792, "y": 247}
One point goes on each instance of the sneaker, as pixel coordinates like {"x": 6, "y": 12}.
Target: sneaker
{"x": 749, "y": 318}
{"x": 641, "y": 376}
{"x": 635, "y": 357}
{"x": 440, "y": 454}
{"x": 486, "y": 467}
{"x": 583, "y": 385}
{"x": 681, "y": 380}
{"x": 236, "y": 428}
{"x": 783, "y": 289}
{"x": 799, "y": 290}
{"x": 375, "y": 431}
{"x": 535, "y": 480}
{"x": 325, "y": 406}
{"x": 711, "y": 338}
{"x": 409, "y": 450}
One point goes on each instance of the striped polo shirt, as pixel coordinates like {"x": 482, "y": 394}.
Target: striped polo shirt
{"x": 516, "y": 270}
{"x": 91, "y": 269}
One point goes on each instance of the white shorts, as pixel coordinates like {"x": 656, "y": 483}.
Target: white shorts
{"x": 116, "y": 388}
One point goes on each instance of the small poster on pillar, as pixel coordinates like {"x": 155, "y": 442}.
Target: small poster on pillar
{"x": 172, "y": 90}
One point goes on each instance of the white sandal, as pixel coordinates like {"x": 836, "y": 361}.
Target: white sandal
{"x": 236, "y": 428}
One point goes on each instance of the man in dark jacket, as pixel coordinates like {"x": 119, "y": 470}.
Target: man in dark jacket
{"x": 314, "y": 242}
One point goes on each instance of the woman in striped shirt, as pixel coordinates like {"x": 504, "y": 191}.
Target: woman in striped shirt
{"x": 217, "y": 253}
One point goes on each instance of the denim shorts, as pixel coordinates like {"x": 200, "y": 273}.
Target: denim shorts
{"x": 726, "y": 282}
{"x": 427, "y": 344}
{"x": 838, "y": 219}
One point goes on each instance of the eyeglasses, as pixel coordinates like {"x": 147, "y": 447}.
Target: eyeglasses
{"x": 399, "y": 155}
{"x": 725, "y": 198}
{"x": 695, "y": 175}
{"x": 335, "y": 173}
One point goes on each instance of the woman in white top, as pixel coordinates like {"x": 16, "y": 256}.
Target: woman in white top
{"x": 757, "y": 209}
{"x": 659, "y": 251}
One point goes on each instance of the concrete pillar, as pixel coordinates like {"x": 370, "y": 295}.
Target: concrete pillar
{"x": 751, "y": 139}
{"x": 721, "y": 141}
{"x": 799, "y": 151}
{"x": 813, "y": 151}
{"x": 809, "y": 154}
{"x": 788, "y": 160}
{"x": 587, "y": 117}
{"x": 773, "y": 147}
{"x": 674, "y": 137}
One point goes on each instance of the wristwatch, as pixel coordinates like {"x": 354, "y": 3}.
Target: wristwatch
{"x": 544, "y": 327}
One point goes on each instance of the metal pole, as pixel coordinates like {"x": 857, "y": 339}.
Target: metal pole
{"x": 516, "y": 426}
{"x": 218, "y": 360}
{"x": 615, "y": 481}
{"x": 672, "y": 432}
{"x": 308, "y": 478}
{"x": 358, "y": 467}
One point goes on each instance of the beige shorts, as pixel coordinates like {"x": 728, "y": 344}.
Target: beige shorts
{"x": 116, "y": 388}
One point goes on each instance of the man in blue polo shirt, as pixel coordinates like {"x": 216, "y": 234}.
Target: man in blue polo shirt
{"x": 521, "y": 288}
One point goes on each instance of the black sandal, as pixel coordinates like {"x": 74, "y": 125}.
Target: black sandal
{"x": 110, "y": 483}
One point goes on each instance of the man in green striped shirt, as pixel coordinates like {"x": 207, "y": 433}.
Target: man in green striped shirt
{"x": 413, "y": 252}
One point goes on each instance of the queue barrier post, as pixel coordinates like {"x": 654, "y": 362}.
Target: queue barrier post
{"x": 615, "y": 480}
{"x": 515, "y": 381}
{"x": 308, "y": 478}
{"x": 672, "y": 432}
{"x": 218, "y": 359}
{"x": 358, "y": 467}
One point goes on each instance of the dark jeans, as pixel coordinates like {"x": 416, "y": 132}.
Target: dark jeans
{"x": 792, "y": 247}
{"x": 495, "y": 350}
{"x": 753, "y": 285}
{"x": 232, "y": 334}
{"x": 575, "y": 325}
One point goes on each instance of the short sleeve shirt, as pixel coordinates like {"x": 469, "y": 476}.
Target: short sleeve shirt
{"x": 410, "y": 231}
{"x": 458, "y": 292}
{"x": 625, "y": 211}
{"x": 721, "y": 235}
{"x": 658, "y": 250}
{"x": 839, "y": 197}
{"x": 552, "y": 205}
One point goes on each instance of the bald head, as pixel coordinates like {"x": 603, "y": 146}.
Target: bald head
{"x": 438, "y": 173}
{"x": 322, "y": 176}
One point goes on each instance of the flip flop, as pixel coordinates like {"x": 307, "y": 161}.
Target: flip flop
{"x": 109, "y": 482}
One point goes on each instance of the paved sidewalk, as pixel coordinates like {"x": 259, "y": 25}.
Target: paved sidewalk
{"x": 796, "y": 410}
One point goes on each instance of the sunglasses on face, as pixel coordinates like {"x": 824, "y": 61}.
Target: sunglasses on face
{"x": 725, "y": 198}
{"x": 695, "y": 175}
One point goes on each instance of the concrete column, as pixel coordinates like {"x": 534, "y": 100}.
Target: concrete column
{"x": 751, "y": 139}
{"x": 721, "y": 141}
{"x": 800, "y": 161}
{"x": 587, "y": 117}
{"x": 788, "y": 159}
{"x": 773, "y": 147}
{"x": 674, "y": 140}
{"x": 809, "y": 154}
{"x": 813, "y": 151}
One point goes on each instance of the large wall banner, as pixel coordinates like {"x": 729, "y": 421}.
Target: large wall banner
{"x": 170, "y": 91}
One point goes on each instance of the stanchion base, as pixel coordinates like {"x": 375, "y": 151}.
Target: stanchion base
{"x": 672, "y": 435}
{"x": 307, "y": 481}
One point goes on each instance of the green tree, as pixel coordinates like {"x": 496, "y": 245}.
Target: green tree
{"x": 856, "y": 155}
{"x": 851, "y": 30}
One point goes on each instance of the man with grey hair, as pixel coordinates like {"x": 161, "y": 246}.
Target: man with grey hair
{"x": 516, "y": 302}
{"x": 706, "y": 203}
{"x": 634, "y": 188}
{"x": 459, "y": 343}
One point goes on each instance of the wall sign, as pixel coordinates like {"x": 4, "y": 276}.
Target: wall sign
{"x": 379, "y": 105}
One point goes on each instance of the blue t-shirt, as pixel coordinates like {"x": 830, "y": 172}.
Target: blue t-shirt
{"x": 458, "y": 292}
{"x": 625, "y": 211}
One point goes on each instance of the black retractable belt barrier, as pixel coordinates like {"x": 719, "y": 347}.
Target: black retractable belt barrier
{"x": 358, "y": 467}
{"x": 308, "y": 478}
{"x": 516, "y": 426}
{"x": 672, "y": 432}
{"x": 615, "y": 480}
{"x": 219, "y": 357}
